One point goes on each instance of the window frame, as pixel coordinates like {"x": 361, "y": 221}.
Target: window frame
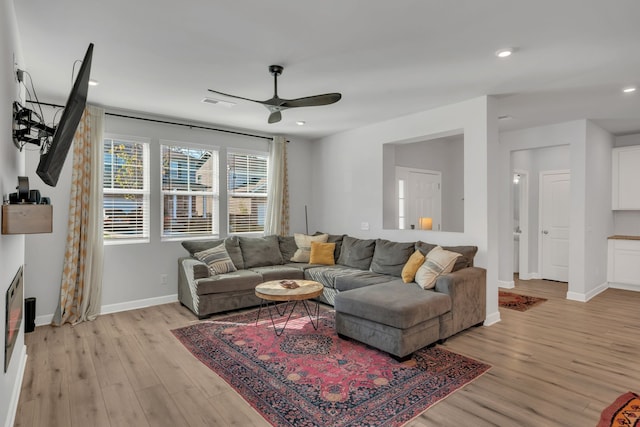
{"x": 145, "y": 192}
{"x": 239, "y": 151}
{"x": 214, "y": 193}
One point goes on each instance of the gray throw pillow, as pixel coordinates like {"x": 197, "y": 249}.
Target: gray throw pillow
{"x": 260, "y": 251}
{"x": 390, "y": 257}
{"x": 357, "y": 253}
{"x": 217, "y": 259}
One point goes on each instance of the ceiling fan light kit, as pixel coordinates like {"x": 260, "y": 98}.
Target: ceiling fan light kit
{"x": 276, "y": 105}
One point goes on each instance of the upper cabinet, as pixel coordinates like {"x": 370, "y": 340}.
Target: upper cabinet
{"x": 626, "y": 178}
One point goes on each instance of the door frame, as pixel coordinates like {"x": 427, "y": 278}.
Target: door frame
{"x": 400, "y": 170}
{"x": 540, "y": 208}
{"x": 523, "y": 252}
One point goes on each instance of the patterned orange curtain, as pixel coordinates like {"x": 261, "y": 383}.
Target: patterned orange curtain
{"x": 81, "y": 286}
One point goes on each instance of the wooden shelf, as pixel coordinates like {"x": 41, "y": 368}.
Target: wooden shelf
{"x": 27, "y": 219}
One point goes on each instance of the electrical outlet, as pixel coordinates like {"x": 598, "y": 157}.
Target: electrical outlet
{"x": 164, "y": 279}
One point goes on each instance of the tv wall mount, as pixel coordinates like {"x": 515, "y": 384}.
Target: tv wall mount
{"x": 29, "y": 128}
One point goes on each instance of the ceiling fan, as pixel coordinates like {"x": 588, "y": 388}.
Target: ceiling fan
{"x": 276, "y": 104}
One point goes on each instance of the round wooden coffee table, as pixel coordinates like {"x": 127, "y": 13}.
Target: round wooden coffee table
{"x": 290, "y": 292}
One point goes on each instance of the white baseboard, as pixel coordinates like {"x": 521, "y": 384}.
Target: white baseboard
{"x": 624, "y": 286}
{"x": 576, "y": 296}
{"x": 506, "y": 284}
{"x": 529, "y": 276}
{"x": 141, "y": 303}
{"x": 122, "y": 306}
{"x": 492, "y": 318}
{"x": 17, "y": 386}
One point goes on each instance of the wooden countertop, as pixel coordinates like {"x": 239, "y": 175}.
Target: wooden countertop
{"x": 621, "y": 237}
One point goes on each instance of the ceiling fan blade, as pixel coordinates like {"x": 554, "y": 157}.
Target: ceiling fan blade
{"x": 275, "y": 117}
{"x": 235, "y": 96}
{"x": 312, "y": 101}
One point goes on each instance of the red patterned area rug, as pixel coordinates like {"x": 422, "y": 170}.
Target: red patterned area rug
{"x": 517, "y": 301}
{"x": 625, "y": 411}
{"x": 310, "y": 377}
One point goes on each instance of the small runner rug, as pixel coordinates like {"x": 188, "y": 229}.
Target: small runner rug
{"x": 310, "y": 377}
{"x": 625, "y": 411}
{"x": 517, "y": 301}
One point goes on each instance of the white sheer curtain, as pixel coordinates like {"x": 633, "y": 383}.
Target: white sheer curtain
{"x": 81, "y": 286}
{"x": 277, "y": 217}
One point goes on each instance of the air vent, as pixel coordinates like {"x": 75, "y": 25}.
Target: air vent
{"x": 218, "y": 102}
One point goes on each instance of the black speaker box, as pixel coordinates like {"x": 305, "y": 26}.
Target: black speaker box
{"x": 29, "y": 314}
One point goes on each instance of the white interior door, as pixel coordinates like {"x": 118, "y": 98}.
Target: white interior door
{"x": 554, "y": 225}
{"x": 423, "y": 196}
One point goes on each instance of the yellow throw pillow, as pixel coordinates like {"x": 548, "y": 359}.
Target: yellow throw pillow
{"x": 437, "y": 262}
{"x": 322, "y": 253}
{"x": 304, "y": 245}
{"x": 411, "y": 267}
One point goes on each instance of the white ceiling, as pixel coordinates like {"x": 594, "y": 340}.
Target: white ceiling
{"x": 387, "y": 58}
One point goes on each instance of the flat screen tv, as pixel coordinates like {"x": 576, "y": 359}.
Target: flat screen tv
{"x": 53, "y": 157}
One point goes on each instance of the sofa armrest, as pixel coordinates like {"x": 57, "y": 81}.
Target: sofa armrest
{"x": 467, "y": 289}
{"x": 187, "y": 292}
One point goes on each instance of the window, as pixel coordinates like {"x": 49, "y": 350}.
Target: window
{"x": 125, "y": 191}
{"x": 189, "y": 191}
{"x": 246, "y": 191}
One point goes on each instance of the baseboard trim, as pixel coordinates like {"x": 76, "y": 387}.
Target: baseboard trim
{"x": 624, "y": 286}
{"x": 141, "y": 303}
{"x": 122, "y": 306}
{"x": 17, "y": 387}
{"x": 506, "y": 284}
{"x": 492, "y": 319}
{"x": 576, "y": 296}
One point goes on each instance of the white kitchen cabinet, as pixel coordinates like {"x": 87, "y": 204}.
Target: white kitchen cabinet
{"x": 623, "y": 266}
{"x": 626, "y": 178}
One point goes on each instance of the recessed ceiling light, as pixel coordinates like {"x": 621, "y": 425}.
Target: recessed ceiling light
{"x": 93, "y": 82}
{"x": 301, "y": 122}
{"x": 219, "y": 102}
{"x": 504, "y": 53}
{"x": 629, "y": 89}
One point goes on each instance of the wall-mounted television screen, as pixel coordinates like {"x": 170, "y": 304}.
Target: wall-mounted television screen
{"x": 53, "y": 157}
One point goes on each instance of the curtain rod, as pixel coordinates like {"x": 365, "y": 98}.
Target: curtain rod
{"x": 165, "y": 122}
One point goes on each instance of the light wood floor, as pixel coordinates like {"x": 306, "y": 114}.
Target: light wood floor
{"x": 558, "y": 364}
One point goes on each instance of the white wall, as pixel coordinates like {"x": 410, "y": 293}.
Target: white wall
{"x": 627, "y": 222}
{"x": 590, "y": 160}
{"x": 347, "y": 181}
{"x": 11, "y": 246}
{"x": 132, "y": 271}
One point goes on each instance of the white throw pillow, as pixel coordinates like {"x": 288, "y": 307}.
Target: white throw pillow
{"x": 303, "y": 242}
{"x": 437, "y": 262}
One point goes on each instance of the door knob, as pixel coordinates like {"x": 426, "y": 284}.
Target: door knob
{"x": 545, "y": 232}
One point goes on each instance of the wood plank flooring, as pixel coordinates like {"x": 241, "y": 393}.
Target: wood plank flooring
{"x": 558, "y": 364}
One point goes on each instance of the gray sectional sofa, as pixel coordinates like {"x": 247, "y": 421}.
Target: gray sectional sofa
{"x": 373, "y": 304}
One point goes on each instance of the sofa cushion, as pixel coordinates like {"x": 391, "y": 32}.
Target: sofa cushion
{"x": 288, "y": 247}
{"x": 322, "y": 253}
{"x": 357, "y": 253}
{"x": 390, "y": 257}
{"x": 260, "y": 251}
{"x": 436, "y": 263}
{"x": 466, "y": 260}
{"x": 217, "y": 259}
{"x": 278, "y": 272}
{"x": 361, "y": 279}
{"x": 230, "y": 243}
{"x": 394, "y": 304}
{"x": 411, "y": 267}
{"x": 327, "y": 274}
{"x": 303, "y": 241}
{"x": 241, "y": 280}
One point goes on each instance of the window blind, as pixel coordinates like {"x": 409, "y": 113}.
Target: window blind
{"x": 247, "y": 186}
